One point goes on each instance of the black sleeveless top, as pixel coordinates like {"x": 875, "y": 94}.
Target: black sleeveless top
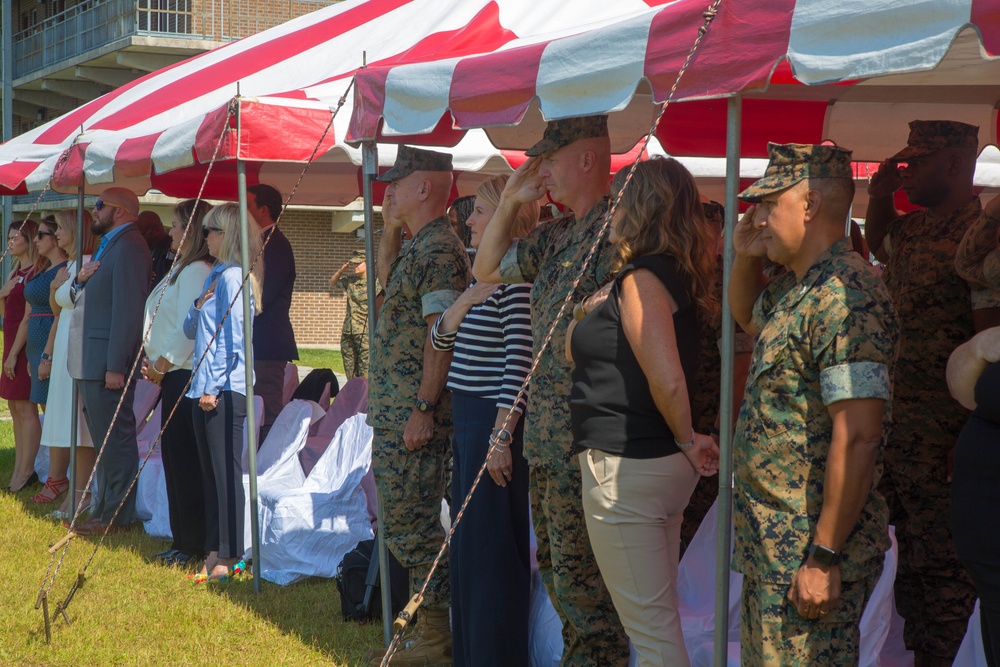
{"x": 611, "y": 406}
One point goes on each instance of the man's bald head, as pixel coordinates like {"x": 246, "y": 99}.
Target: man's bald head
{"x": 123, "y": 198}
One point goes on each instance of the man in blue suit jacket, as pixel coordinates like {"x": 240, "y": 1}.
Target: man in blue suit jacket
{"x": 273, "y": 338}
{"x": 117, "y": 282}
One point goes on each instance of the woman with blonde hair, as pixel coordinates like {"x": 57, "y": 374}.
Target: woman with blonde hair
{"x": 15, "y": 383}
{"x": 489, "y": 329}
{"x": 167, "y": 363}
{"x": 56, "y": 428}
{"x": 218, "y": 387}
{"x": 636, "y": 364}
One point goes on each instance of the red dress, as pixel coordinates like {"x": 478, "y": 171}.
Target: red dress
{"x": 17, "y": 388}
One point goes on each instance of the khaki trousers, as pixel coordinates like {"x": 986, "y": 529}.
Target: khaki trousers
{"x": 634, "y": 509}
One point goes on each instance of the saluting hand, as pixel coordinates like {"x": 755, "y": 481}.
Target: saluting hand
{"x": 525, "y": 185}
{"x": 747, "y": 237}
{"x": 885, "y": 181}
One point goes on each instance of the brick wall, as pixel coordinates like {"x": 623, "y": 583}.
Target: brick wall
{"x": 318, "y": 311}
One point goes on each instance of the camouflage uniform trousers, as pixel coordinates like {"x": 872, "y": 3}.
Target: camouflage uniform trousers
{"x": 592, "y": 634}
{"x": 773, "y": 634}
{"x": 354, "y": 351}
{"x": 410, "y": 488}
{"x": 933, "y": 591}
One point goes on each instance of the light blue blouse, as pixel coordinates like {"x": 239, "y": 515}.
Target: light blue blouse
{"x": 224, "y": 366}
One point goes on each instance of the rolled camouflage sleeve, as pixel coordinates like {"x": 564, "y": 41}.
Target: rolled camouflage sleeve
{"x": 510, "y": 269}
{"x": 435, "y": 303}
{"x": 521, "y": 261}
{"x": 445, "y": 275}
{"x": 855, "y": 362}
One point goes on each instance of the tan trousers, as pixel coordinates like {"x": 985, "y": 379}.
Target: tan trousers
{"x": 634, "y": 509}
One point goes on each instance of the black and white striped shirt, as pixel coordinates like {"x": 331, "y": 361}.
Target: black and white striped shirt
{"x": 492, "y": 346}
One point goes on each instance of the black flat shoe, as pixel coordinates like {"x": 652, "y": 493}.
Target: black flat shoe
{"x": 166, "y": 555}
{"x": 31, "y": 481}
{"x": 181, "y": 558}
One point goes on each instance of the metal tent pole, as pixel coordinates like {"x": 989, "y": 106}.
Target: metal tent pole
{"x": 369, "y": 169}
{"x": 725, "y": 501}
{"x": 241, "y": 177}
{"x": 6, "y": 101}
{"x": 74, "y": 394}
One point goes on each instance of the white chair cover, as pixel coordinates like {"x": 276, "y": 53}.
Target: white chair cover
{"x": 308, "y": 527}
{"x": 276, "y": 457}
{"x": 971, "y": 653}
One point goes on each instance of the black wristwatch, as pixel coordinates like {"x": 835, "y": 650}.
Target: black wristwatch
{"x": 824, "y": 556}
{"x": 425, "y": 407}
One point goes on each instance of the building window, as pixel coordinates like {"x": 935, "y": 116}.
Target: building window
{"x": 170, "y": 16}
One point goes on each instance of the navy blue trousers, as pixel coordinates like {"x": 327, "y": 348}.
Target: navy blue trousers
{"x": 490, "y": 551}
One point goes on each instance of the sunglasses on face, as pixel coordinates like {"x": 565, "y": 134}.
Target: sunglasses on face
{"x": 713, "y": 210}
{"x": 100, "y": 203}
{"x": 205, "y": 230}
{"x": 41, "y": 233}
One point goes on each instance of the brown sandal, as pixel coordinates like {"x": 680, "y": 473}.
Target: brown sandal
{"x": 53, "y": 490}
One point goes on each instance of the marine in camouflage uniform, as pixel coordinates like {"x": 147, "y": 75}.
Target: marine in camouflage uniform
{"x": 933, "y": 592}
{"x": 354, "y": 334}
{"x": 551, "y": 258}
{"x": 424, "y": 279}
{"x": 828, "y": 337}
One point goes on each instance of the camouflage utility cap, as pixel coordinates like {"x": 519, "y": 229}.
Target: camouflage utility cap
{"x": 409, "y": 160}
{"x": 928, "y": 136}
{"x": 358, "y": 256}
{"x": 563, "y": 132}
{"x": 791, "y": 163}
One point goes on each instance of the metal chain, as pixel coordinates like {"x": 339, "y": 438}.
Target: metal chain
{"x": 709, "y": 16}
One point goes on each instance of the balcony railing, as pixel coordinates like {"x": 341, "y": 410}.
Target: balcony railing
{"x": 95, "y": 23}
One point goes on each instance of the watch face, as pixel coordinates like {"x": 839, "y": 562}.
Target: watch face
{"x": 823, "y": 555}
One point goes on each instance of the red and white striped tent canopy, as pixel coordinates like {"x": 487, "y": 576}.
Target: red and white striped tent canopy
{"x": 448, "y": 65}
{"x": 933, "y": 59}
{"x": 162, "y": 130}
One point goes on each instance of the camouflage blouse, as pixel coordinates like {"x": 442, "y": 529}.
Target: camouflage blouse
{"x": 830, "y": 337}
{"x": 550, "y": 258}
{"x": 425, "y": 278}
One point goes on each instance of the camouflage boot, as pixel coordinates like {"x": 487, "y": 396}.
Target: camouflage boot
{"x": 429, "y": 645}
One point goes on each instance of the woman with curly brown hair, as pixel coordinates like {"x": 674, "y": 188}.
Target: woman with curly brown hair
{"x": 636, "y": 364}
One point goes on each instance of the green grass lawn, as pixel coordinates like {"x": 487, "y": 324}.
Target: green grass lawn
{"x": 131, "y": 612}
{"x": 316, "y": 358}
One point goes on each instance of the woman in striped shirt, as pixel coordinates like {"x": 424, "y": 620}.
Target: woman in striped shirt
{"x": 489, "y": 328}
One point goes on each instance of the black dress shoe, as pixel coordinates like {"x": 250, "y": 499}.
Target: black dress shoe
{"x": 166, "y": 555}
